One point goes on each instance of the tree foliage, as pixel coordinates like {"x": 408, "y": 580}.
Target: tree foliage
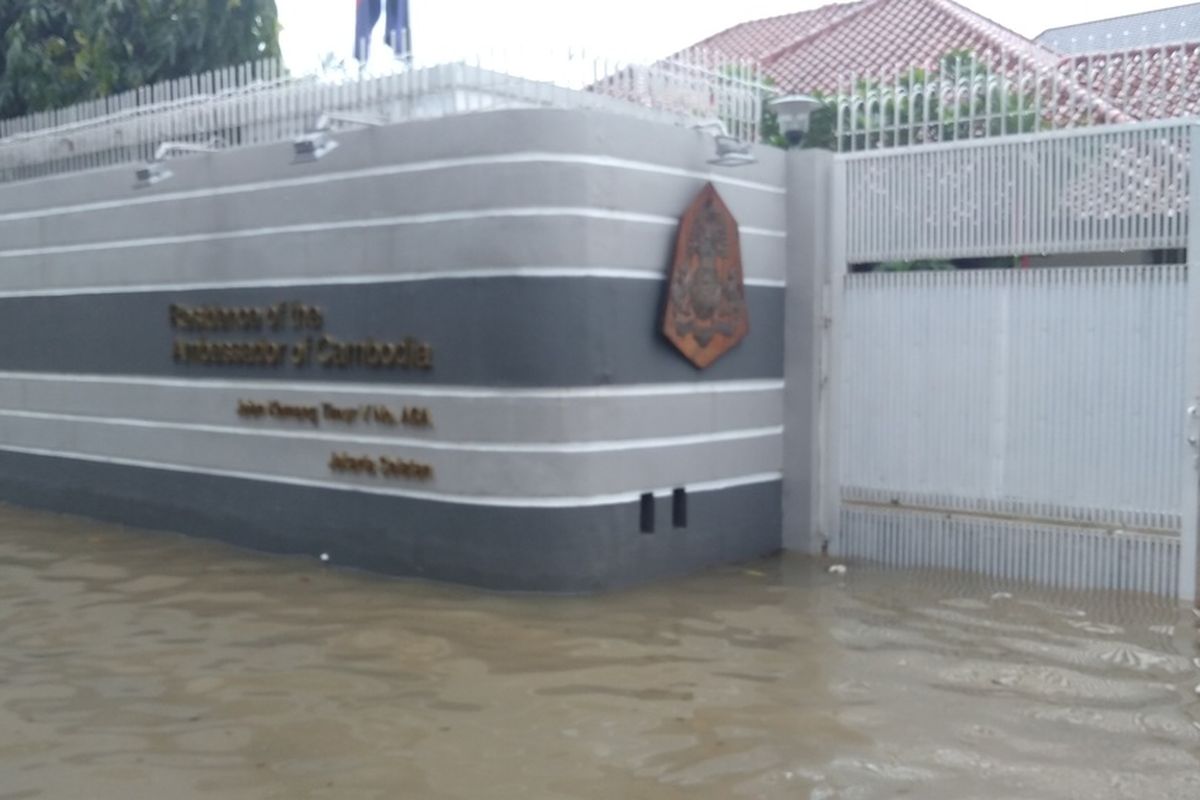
{"x": 57, "y": 52}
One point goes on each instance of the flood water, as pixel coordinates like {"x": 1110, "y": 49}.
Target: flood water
{"x": 139, "y": 665}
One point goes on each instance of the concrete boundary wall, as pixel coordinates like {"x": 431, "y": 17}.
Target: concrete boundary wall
{"x": 569, "y": 549}
{"x": 498, "y": 331}
{"x": 517, "y": 261}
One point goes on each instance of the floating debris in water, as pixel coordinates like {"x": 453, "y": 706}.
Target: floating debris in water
{"x": 837, "y": 569}
{"x": 325, "y": 557}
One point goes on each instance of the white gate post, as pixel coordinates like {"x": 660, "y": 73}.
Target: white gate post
{"x": 830, "y": 497}
{"x": 804, "y": 331}
{"x": 1189, "y": 558}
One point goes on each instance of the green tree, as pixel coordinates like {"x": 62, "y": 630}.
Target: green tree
{"x": 57, "y": 52}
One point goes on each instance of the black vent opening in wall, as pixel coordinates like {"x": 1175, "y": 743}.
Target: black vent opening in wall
{"x": 648, "y": 513}
{"x": 679, "y": 508}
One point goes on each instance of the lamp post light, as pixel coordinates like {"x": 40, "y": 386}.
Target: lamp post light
{"x": 793, "y": 111}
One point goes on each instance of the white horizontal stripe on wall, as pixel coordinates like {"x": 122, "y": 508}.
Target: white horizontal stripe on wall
{"x": 506, "y": 502}
{"x": 479, "y": 474}
{"x": 412, "y": 443}
{"x": 455, "y": 417}
{"x": 391, "y": 170}
{"x": 427, "y": 390}
{"x": 361, "y": 224}
{"x": 357, "y": 280}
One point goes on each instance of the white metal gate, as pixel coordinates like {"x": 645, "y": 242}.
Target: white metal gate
{"x": 1026, "y": 422}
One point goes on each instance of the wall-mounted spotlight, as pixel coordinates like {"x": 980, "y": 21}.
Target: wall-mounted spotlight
{"x": 156, "y": 170}
{"x": 151, "y": 174}
{"x": 731, "y": 151}
{"x": 312, "y": 146}
{"x": 318, "y": 141}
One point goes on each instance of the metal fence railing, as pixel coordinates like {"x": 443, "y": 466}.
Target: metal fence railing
{"x": 1112, "y": 188}
{"x": 1027, "y": 422}
{"x": 1032, "y": 407}
{"x": 974, "y": 95}
{"x": 261, "y": 102}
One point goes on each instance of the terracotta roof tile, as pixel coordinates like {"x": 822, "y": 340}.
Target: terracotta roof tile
{"x": 881, "y": 36}
{"x": 758, "y": 37}
{"x": 1152, "y": 84}
{"x": 819, "y": 49}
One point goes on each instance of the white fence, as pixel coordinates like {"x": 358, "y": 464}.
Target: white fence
{"x": 1104, "y": 189}
{"x": 1023, "y": 422}
{"x": 976, "y": 95}
{"x": 1023, "y": 393}
{"x": 1061, "y": 556}
{"x": 260, "y": 102}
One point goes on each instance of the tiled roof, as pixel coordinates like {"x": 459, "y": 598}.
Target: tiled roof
{"x": 1130, "y": 32}
{"x": 877, "y": 37}
{"x": 758, "y": 37}
{"x": 1144, "y": 84}
{"x": 818, "y": 50}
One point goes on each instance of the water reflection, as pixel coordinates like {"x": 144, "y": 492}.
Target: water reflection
{"x": 147, "y": 665}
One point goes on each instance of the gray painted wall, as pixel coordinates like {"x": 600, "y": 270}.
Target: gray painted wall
{"x": 529, "y": 248}
{"x": 569, "y": 549}
{"x": 485, "y": 134}
{"x": 559, "y": 189}
{"x": 459, "y": 414}
{"x": 499, "y": 331}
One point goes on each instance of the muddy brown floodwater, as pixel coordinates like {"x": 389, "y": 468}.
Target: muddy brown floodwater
{"x": 138, "y": 665}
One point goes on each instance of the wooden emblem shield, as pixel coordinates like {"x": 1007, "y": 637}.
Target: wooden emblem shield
{"x": 706, "y": 300}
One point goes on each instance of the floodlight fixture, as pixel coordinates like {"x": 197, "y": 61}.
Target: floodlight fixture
{"x": 318, "y": 141}
{"x": 151, "y": 174}
{"x": 156, "y": 171}
{"x": 731, "y": 151}
{"x": 312, "y": 146}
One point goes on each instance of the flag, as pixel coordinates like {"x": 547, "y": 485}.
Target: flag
{"x": 398, "y": 34}
{"x": 396, "y": 27}
{"x": 368, "y": 15}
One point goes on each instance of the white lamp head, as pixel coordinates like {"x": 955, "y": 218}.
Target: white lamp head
{"x": 793, "y": 112}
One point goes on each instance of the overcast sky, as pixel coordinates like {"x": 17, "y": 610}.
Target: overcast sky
{"x": 444, "y": 29}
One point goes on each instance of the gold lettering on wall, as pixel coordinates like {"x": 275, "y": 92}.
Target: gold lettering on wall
{"x": 317, "y": 346}
{"x": 382, "y": 466}
{"x": 336, "y": 415}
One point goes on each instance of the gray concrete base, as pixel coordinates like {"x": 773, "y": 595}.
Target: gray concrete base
{"x": 582, "y": 549}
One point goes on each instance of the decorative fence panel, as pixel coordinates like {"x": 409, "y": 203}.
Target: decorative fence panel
{"x": 1029, "y": 421}
{"x": 969, "y": 95}
{"x": 1028, "y": 401}
{"x": 1112, "y": 189}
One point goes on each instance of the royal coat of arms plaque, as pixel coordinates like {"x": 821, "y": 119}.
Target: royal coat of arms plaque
{"x": 706, "y": 299}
